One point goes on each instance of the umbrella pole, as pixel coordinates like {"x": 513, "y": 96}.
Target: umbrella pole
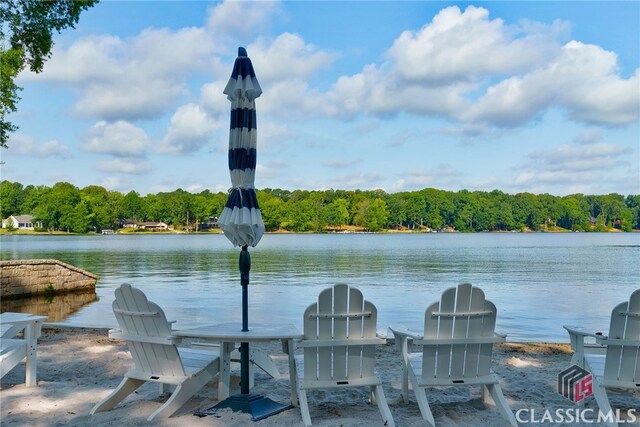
{"x": 245, "y": 267}
{"x": 258, "y": 406}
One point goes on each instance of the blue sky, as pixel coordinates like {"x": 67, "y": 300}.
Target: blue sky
{"x": 541, "y": 97}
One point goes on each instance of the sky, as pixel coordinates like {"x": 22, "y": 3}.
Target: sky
{"x": 540, "y": 97}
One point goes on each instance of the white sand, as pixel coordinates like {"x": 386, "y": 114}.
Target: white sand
{"x": 78, "y": 367}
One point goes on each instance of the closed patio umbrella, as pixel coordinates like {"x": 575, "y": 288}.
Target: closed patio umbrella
{"x": 241, "y": 220}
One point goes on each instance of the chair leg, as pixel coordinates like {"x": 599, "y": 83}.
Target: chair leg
{"x": 262, "y": 360}
{"x": 304, "y": 406}
{"x": 405, "y": 383}
{"x": 421, "y": 397}
{"x": 293, "y": 374}
{"x": 126, "y": 387}
{"x": 498, "y": 398}
{"x": 182, "y": 393}
{"x": 600, "y": 394}
{"x": 378, "y": 395}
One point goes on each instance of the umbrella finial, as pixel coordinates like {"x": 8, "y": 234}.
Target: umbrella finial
{"x": 242, "y": 51}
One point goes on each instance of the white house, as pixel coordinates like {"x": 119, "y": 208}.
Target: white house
{"x": 21, "y": 222}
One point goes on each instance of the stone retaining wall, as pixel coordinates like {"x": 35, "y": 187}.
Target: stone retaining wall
{"x": 20, "y": 278}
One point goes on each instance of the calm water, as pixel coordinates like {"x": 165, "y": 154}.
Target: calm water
{"x": 538, "y": 281}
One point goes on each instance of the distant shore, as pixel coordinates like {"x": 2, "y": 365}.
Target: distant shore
{"x": 5, "y": 232}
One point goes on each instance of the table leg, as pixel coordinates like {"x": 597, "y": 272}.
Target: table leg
{"x": 225, "y": 369}
{"x": 289, "y": 346}
{"x": 31, "y": 338}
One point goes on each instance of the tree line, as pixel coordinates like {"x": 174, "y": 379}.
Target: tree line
{"x": 93, "y": 208}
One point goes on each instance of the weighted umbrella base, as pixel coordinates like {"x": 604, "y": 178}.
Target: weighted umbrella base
{"x": 258, "y": 406}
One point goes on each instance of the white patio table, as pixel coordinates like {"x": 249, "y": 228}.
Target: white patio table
{"x": 10, "y": 325}
{"x": 228, "y": 334}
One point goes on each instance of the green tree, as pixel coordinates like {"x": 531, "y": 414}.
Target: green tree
{"x": 633, "y": 203}
{"x": 12, "y": 196}
{"x": 372, "y": 214}
{"x": 56, "y": 210}
{"x": 337, "y": 212}
{"x": 466, "y": 207}
{"x": 28, "y": 26}
{"x": 80, "y": 218}
{"x": 575, "y": 213}
{"x": 527, "y": 211}
{"x": 132, "y": 206}
{"x": 100, "y": 213}
{"x": 272, "y": 209}
{"x": 299, "y": 212}
{"x": 33, "y": 197}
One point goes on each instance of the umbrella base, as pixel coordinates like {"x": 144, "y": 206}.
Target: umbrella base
{"x": 258, "y": 406}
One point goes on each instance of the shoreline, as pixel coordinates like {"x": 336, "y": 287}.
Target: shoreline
{"x": 3, "y": 232}
{"x": 79, "y": 366}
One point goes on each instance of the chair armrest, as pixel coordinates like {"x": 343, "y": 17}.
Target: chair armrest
{"x": 582, "y": 332}
{"x": 577, "y": 335}
{"x": 604, "y": 340}
{"x": 339, "y": 343}
{"x": 117, "y": 334}
{"x": 452, "y": 341}
{"x": 403, "y": 337}
{"x": 402, "y": 333}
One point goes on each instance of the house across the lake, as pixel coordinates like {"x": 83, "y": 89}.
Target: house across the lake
{"x": 153, "y": 226}
{"x": 21, "y": 222}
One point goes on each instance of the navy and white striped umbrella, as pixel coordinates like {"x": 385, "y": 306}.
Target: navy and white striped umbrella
{"x": 241, "y": 220}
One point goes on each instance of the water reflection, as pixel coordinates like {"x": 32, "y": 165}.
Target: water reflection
{"x": 56, "y": 307}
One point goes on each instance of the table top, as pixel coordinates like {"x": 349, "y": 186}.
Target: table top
{"x": 232, "y": 332}
{"x": 19, "y": 318}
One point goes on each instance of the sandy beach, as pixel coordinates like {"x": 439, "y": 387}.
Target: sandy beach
{"x": 77, "y": 367}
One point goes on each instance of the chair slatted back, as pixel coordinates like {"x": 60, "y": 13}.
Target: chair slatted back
{"x": 462, "y": 312}
{"x": 138, "y": 317}
{"x": 623, "y": 361}
{"x": 341, "y": 313}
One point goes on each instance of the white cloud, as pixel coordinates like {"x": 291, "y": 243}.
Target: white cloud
{"x": 586, "y": 167}
{"x": 284, "y": 66}
{"x": 128, "y": 166}
{"x": 358, "y": 180}
{"x": 240, "y": 19}
{"x": 340, "y": 163}
{"x": 459, "y": 45}
{"x": 582, "y": 80}
{"x": 444, "y": 176}
{"x": 190, "y": 130}
{"x": 589, "y": 136}
{"x": 274, "y": 138}
{"x": 213, "y": 101}
{"x": 195, "y": 188}
{"x": 288, "y": 57}
{"x": 481, "y": 73}
{"x": 119, "y": 139}
{"x": 23, "y": 145}
{"x": 134, "y": 78}
{"x": 581, "y": 158}
{"x": 116, "y": 184}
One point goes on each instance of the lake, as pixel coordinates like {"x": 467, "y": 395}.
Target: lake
{"x": 538, "y": 281}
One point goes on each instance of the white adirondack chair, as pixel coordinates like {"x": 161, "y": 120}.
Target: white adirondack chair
{"x": 155, "y": 354}
{"x": 457, "y": 345}
{"x": 617, "y": 363}
{"x": 339, "y": 348}
{"x": 13, "y": 350}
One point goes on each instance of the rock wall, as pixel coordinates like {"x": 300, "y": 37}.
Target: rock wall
{"x": 20, "y": 278}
